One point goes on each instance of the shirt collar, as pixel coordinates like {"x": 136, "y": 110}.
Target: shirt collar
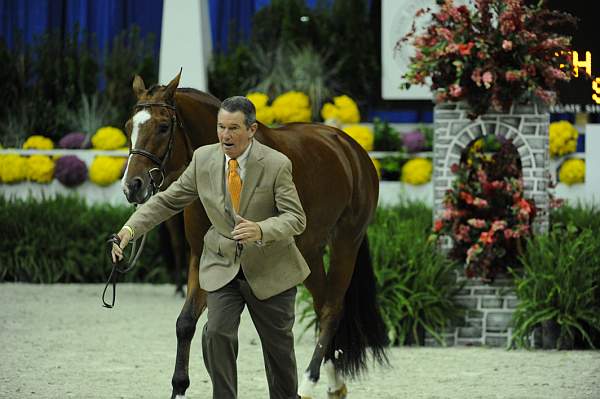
{"x": 241, "y": 159}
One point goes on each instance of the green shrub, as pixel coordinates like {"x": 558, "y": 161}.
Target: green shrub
{"x": 228, "y": 73}
{"x": 582, "y": 216}
{"x": 63, "y": 240}
{"x": 416, "y": 282}
{"x": 130, "y": 54}
{"x": 560, "y": 283}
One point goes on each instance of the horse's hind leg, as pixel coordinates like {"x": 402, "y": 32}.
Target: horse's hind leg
{"x": 344, "y": 248}
{"x": 195, "y": 303}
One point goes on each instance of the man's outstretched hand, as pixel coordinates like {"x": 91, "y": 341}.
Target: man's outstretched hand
{"x": 117, "y": 250}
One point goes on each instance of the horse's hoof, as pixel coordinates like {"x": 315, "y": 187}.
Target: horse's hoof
{"x": 341, "y": 393}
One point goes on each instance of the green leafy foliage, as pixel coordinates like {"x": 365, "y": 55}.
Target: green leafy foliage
{"x": 346, "y": 67}
{"x": 44, "y": 83}
{"x": 289, "y": 67}
{"x": 415, "y": 281}
{"x": 131, "y": 54}
{"x": 386, "y": 138}
{"x": 228, "y": 73}
{"x": 64, "y": 240}
{"x": 560, "y": 283}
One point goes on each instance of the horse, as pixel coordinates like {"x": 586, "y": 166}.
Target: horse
{"x": 338, "y": 188}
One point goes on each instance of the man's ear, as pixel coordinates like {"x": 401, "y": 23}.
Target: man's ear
{"x": 253, "y": 129}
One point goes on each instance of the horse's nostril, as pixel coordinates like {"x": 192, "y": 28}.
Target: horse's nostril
{"x": 135, "y": 184}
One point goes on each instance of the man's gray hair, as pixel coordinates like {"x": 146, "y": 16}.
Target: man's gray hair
{"x": 241, "y": 103}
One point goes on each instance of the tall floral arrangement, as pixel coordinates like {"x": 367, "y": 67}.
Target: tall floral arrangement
{"x": 485, "y": 212}
{"x": 492, "y": 54}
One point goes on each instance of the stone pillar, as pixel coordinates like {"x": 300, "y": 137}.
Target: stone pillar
{"x": 526, "y": 125}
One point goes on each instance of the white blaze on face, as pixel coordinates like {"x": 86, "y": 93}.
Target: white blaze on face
{"x": 138, "y": 120}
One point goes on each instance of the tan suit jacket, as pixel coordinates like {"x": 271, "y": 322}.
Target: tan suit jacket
{"x": 268, "y": 197}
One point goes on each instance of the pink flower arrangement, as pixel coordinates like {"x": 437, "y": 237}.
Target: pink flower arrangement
{"x": 485, "y": 213}
{"x": 491, "y": 55}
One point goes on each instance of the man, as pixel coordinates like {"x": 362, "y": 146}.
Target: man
{"x": 249, "y": 255}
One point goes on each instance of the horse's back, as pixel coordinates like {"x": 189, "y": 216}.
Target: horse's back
{"x": 332, "y": 172}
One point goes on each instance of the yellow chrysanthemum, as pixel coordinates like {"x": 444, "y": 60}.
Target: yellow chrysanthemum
{"x": 417, "y": 171}
{"x": 258, "y": 99}
{"x": 40, "y": 168}
{"x": 563, "y": 138}
{"x": 293, "y": 106}
{"x": 109, "y": 138}
{"x": 265, "y": 115}
{"x": 13, "y": 168}
{"x": 38, "y": 142}
{"x": 329, "y": 112}
{"x": 343, "y": 110}
{"x": 572, "y": 171}
{"x": 106, "y": 170}
{"x": 377, "y": 165}
{"x": 362, "y": 135}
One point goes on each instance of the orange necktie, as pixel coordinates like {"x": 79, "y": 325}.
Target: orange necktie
{"x": 234, "y": 184}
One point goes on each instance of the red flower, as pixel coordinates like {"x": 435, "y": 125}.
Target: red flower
{"x": 438, "y": 226}
{"x": 487, "y": 238}
{"x": 465, "y": 49}
{"x": 454, "y": 168}
{"x": 525, "y": 205}
{"x": 468, "y": 198}
{"x": 455, "y": 90}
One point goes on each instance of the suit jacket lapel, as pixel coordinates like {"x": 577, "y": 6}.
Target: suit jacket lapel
{"x": 217, "y": 178}
{"x": 254, "y": 169}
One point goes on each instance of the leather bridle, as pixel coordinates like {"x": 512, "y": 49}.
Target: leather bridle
{"x": 114, "y": 239}
{"x": 158, "y": 161}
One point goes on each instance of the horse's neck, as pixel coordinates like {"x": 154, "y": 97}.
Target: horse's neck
{"x": 198, "y": 112}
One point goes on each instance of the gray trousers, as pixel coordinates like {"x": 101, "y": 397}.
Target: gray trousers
{"x": 273, "y": 319}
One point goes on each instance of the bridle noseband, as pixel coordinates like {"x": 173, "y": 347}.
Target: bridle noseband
{"x": 158, "y": 161}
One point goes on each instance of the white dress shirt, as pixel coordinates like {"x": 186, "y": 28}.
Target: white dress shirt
{"x": 241, "y": 163}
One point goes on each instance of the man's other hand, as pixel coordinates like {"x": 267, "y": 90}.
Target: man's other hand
{"x": 246, "y": 231}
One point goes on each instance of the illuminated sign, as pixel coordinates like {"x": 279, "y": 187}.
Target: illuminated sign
{"x": 582, "y": 93}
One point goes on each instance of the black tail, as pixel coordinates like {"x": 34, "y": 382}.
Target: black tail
{"x": 361, "y": 326}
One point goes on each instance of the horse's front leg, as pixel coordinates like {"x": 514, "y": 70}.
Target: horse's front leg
{"x": 176, "y": 232}
{"x": 195, "y": 303}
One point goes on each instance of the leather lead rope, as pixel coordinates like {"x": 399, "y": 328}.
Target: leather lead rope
{"x": 116, "y": 270}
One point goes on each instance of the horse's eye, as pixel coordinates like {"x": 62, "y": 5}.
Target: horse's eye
{"x": 163, "y": 128}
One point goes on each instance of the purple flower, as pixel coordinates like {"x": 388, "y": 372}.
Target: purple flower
{"x": 72, "y": 140}
{"x": 70, "y": 171}
{"x": 413, "y": 141}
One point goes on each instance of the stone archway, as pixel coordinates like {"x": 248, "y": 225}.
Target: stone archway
{"x": 526, "y": 125}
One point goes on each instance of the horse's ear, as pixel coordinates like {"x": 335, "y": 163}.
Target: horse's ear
{"x": 172, "y": 86}
{"x": 138, "y": 86}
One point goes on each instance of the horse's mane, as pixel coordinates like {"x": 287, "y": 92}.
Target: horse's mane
{"x": 201, "y": 96}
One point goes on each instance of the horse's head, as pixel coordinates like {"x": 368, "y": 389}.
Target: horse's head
{"x": 151, "y": 134}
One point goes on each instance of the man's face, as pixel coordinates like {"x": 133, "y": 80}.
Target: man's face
{"x": 233, "y": 133}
